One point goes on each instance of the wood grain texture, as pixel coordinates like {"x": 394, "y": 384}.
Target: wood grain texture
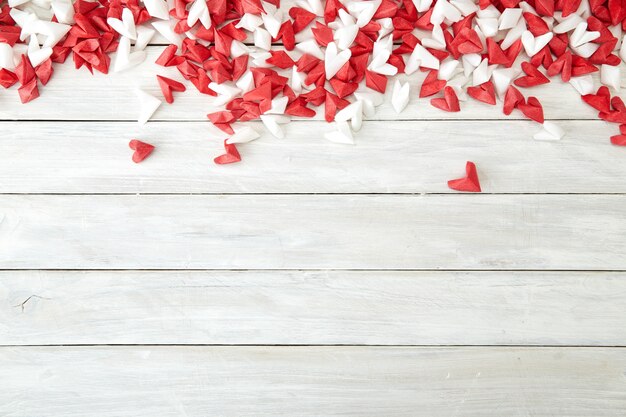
{"x": 307, "y": 381}
{"x": 311, "y": 231}
{"x": 311, "y": 307}
{"x": 79, "y": 95}
{"x": 398, "y": 157}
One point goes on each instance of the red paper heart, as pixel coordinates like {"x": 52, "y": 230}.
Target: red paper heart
{"x": 431, "y": 85}
{"x": 533, "y": 78}
{"x": 600, "y": 101}
{"x": 532, "y": 109}
{"x": 231, "y": 155}
{"x": 512, "y": 99}
{"x": 484, "y": 92}
{"x": 449, "y": 102}
{"x": 168, "y": 86}
{"x": 469, "y": 183}
{"x": 142, "y": 150}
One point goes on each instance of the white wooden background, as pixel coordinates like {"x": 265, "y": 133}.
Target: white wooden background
{"x": 312, "y": 279}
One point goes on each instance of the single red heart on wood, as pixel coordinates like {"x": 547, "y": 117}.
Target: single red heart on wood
{"x": 231, "y": 155}
{"x": 449, "y": 102}
{"x": 168, "y": 86}
{"x": 484, "y": 92}
{"x": 142, "y": 150}
{"x": 600, "y": 101}
{"x": 469, "y": 183}
{"x": 533, "y": 78}
{"x": 532, "y": 109}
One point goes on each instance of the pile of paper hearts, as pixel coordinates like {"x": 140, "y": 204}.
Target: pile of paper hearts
{"x": 271, "y": 61}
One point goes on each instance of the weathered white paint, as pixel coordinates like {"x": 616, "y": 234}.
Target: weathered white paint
{"x": 399, "y": 157}
{"x": 79, "y": 95}
{"x": 312, "y": 307}
{"x": 311, "y": 381}
{"x": 313, "y": 231}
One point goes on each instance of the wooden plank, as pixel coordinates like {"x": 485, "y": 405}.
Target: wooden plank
{"x": 399, "y": 157}
{"x": 312, "y": 381}
{"x": 312, "y": 231}
{"x": 312, "y": 307}
{"x": 78, "y": 95}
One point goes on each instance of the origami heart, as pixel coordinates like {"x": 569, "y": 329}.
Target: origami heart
{"x": 334, "y": 60}
{"x": 157, "y": 8}
{"x": 532, "y": 45}
{"x": 469, "y": 183}
{"x": 432, "y": 85}
{"x": 532, "y": 109}
{"x": 484, "y": 92}
{"x": 620, "y": 140}
{"x": 550, "y": 131}
{"x": 199, "y": 11}
{"x": 400, "y": 96}
{"x": 168, "y": 86}
{"x": 450, "y": 101}
{"x": 581, "y": 36}
{"x": 142, "y": 150}
{"x": 533, "y": 78}
{"x": 600, "y": 101}
{"x": 126, "y": 26}
{"x": 148, "y": 104}
{"x": 231, "y": 155}
{"x": 342, "y": 134}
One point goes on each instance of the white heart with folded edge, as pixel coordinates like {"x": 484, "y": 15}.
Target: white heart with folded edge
{"x": 199, "y": 12}
{"x": 352, "y": 112}
{"x": 334, "y": 60}
{"x": 568, "y": 24}
{"x": 448, "y": 69}
{"x": 226, "y": 92}
{"x": 262, "y": 39}
{"x": 345, "y": 35}
{"x": 581, "y": 35}
{"x": 550, "y": 132}
{"x": 272, "y": 123}
{"x": 124, "y": 59}
{"x": 363, "y": 11}
{"x": 148, "y": 104}
{"x": 166, "y": 29}
{"x": 6, "y": 57}
{"x": 611, "y": 76}
{"x": 246, "y": 82}
{"x": 63, "y": 10}
{"x": 279, "y": 104}
{"x": 513, "y": 34}
{"x": 314, "y": 6}
{"x": 310, "y": 47}
{"x": 157, "y": 8}
{"x": 370, "y": 99}
{"x": 342, "y": 134}
{"x": 37, "y": 55}
{"x": 422, "y": 5}
{"x": 532, "y": 45}
{"x": 144, "y": 36}
{"x": 437, "y": 39}
{"x": 509, "y": 18}
{"x": 502, "y": 78}
{"x": 126, "y": 26}
{"x": 400, "y": 96}
{"x": 243, "y": 134}
{"x": 420, "y": 57}
{"x": 249, "y": 22}
{"x": 444, "y": 11}
{"x": 584, "y": 84}
{"x": 272, "y": 22}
